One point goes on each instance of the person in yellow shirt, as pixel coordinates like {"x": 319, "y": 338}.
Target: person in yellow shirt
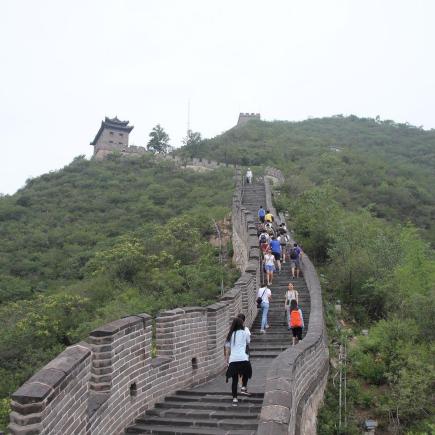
{"x": 268, "y": 217}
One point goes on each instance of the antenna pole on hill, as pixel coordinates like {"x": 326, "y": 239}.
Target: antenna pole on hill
{"x": 188, "y": 116}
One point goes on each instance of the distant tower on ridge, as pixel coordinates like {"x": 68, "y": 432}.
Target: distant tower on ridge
{"x": 112, "y": 136}
{"x": 245, "y": 117}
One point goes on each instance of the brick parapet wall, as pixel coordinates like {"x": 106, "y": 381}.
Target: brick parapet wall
{"x": 296, "y": 379}
{"x": 102, "y": 151}
{"x": 275, "y": 174}
{"x": 100, "y": 386}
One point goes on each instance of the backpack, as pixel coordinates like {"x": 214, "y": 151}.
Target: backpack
{"x": 295, "y": 319}
{"x": 263, "y": 238}
{"x": 293, "y": 254}
{"x": 283, "y": 239}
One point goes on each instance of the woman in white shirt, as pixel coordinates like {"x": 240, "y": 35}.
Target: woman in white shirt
{"x": 269, "y": 265}
{"x": 238, "y": 359}
{"x": 249, "y": 176}
{"x": 290, "y": 295}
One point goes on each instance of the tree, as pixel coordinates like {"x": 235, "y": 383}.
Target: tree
{"x": 193, "y": 138}
{"x": 159, "y": 142}
{"x": 192, "y": 142}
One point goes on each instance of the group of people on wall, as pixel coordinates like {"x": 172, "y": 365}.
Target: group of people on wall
{"x": 276, "y": 249}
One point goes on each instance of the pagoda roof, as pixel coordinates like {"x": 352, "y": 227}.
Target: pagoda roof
{"x": 112, "y": 123}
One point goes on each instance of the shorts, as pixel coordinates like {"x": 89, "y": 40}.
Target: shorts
{"x": 297, "y": 332}
{"x": 270, "y": 268}
{"x": 294, "y": 263}
{"x": 277, "y": 255}
{"x": 261, "y": 219}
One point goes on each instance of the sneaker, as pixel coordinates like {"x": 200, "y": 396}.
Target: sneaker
{"x": 235, "y": 402}
{"x": 244, "y": 391}
{"x": 267, "y": 326}
{"x": 262, "y": 331}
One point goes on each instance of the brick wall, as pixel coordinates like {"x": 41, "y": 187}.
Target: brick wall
{"x": 100, "y": 386}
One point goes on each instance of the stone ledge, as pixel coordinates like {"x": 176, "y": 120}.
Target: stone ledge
{"x": 40, "y": 385}
{"x": 277, "y": 413}
{"x": 116, "y": 326}
{"x": 34, "y": 429}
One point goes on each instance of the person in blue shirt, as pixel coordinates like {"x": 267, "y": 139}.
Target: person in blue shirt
{"x": 275, "y": 247}
{"x": 261, "y": 214}
{"x": 295, "y": 258}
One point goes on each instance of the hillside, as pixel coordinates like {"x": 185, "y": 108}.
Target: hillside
{"x": 360, "y": 196}
{"x": 386, "y": 166}
{"x": 96, "y": 241}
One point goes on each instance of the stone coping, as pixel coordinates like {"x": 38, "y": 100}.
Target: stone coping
{"x": 46, "y": 381}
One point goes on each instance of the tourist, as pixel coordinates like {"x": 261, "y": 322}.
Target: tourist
{"x": 269, "y": 266}
{"x": 241, "y": 316}
{"x": 265, "y": 295}
{"x": 282, "y": 229}
{"x": 295, "y": 258}
{"x": 261, "y": 214}
{"x": 249, "y": 176}
{"x": 290, "y": 295}
{"x": 296, "y": 322}
{"x": 236, "y": 358}
{"x": 283, "y": 240}
{"x": 264, "y": 241}
{"x": 269, "y": 216}
{"x": 269, "y": 229}
{"x": 275, "y": 247}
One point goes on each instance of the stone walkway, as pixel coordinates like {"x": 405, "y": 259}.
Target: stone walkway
{"x": 207, "y": 409}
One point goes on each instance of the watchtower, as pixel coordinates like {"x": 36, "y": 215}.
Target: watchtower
{"x": 112, "y": 136}
{"x": 245, "y": 117}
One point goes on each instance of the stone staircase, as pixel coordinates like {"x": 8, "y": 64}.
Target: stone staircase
{"x": 207, "y": 409}
{"x": 200, "y": 412}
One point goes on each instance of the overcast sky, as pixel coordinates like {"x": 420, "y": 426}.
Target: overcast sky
{"x": 67, "y": 64}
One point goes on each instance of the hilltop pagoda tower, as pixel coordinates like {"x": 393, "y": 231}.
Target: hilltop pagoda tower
{"x": 112, "y": 136}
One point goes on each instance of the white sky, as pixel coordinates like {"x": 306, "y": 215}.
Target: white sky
{"x": 67, "y": 64}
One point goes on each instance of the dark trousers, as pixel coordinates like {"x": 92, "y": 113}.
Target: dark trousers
{"x": 236, "y": 381}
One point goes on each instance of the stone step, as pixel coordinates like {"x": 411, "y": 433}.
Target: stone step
{"x": 268, "y": 354}
{"x": 212, "y": 398}
{"x": 227, "y": 423}
{"x": 224, "y": 405}
{"x": 175, "y": 430}
{"x": 211, "y": 393}
{"x": 200, "y": 413}
{"x": 268, "y": 346}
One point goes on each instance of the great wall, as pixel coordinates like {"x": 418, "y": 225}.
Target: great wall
{"x": 112, "y": 384}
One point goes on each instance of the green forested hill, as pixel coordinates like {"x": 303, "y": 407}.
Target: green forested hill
{"x": 99, "y": 240}
{"x": 96, "y": 241}
{"x": 360, "y": 195}
{"x": 387, "y": 166}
